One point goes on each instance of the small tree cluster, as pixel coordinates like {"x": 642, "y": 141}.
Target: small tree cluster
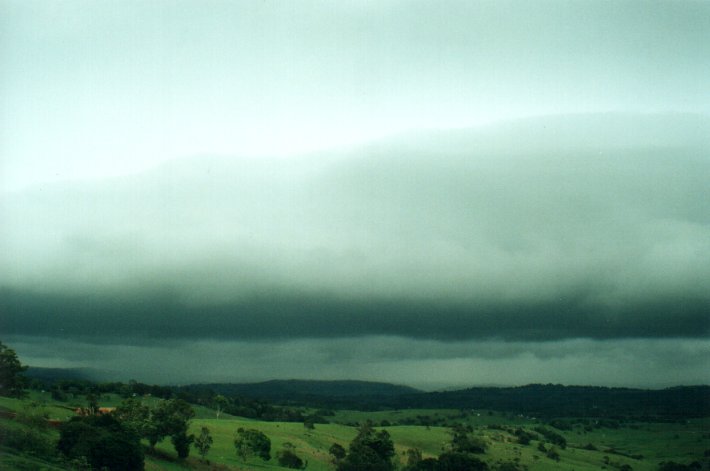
{"x": 462, "y": 442}
{"x": 673, "y": 466}
{"x": 250, "y": 442}
{"x": 370, "y": 450}
{"x": 170, "y": 418}
{"x": 102, "y": 441}
{"x": 552, "y": 437}
{"x": 448, "y": 461}
{"x": 524, "y": 436}
{"x": 288, "y": 458}
{"x": 337, "y": 452}
{"x": 11, "y": 379}
{"x": 459, "y": 457}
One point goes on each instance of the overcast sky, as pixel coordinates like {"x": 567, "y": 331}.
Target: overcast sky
{"x": 431, "y": 193}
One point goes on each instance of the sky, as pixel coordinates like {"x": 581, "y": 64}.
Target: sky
{"x": 438, "y": 194}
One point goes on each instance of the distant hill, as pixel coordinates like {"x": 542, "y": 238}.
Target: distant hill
{"x": 540, "y": 400}
{"x": 299, "y": 390}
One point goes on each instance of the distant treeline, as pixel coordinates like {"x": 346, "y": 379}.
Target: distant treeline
{"x": 255, "y": 408}
{"x": 573, "y": 401}
{"x": 537, "y": 400}
{"x": 285, "y": 389}
{"x": 284, "y": 400}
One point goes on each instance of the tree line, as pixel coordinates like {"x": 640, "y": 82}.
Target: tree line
{"x": 67, "y": 389}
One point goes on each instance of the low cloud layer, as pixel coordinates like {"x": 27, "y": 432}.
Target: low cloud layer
{"x": 549, "y": 229}
{"x": 425, "y": 364}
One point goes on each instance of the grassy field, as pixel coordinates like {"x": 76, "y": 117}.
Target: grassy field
{"x": 639, "y": 445}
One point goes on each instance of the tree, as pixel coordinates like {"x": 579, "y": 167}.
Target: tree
{"x": 134, "y": 416}
{"x": 457, "y": 461}
{"x": 252, "y": 442}
{"x": 553, "y": 454}
{"x": 92, "y": 404}
{"x": 337, "y": 452}
{"x": 414, "y": 456}
{"x": 461, "y": 442}
{"x": 181, "y": 442}
{"x": 171, "y": 418}
{"x": 288, "y": 458}
{"x": 11, "y": 379}
{"x": 553, "y": 437}
{"x": 370, "y": 450}
{"x": 427, "y": 464}
{"x": 220, "y": 402}
{"x": 524, "y": 436}
{"x": 203, "y": 442}
{"x": 416, "y": 463}
{"x": 103, "y": 441}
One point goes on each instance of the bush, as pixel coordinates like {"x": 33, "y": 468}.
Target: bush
{"x": 508, "y": 466}
{"x": 360, "y": 458}
{"x": 673, "y": 466}
{"x": 463, "y": 443}
{"x": 34, "y": 416}
{"x": 524, "y": 436}
{"x": 288, "y": 459}
{"x": 28, "y": 440}
{"x": 252, "y": 442}
{"x": 552, "y": 437}
{"x": 455, "y": 461}
{"x": 103, "y": 441}
{"x": 337, "y": 452}
{"x": 553, "y": 454}
{"x": 427, "y": 464}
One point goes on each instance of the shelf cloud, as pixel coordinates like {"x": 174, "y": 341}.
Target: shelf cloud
{"x": 298, "y": 184}
{"x": 455, "y": 236}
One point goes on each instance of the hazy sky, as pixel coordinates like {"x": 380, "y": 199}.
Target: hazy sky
{"x": 431, "y": 193}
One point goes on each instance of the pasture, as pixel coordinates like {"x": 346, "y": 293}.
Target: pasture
{"x": 639, "y": 445}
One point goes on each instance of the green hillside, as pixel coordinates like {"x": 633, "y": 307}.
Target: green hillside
{"x": 639, "y": 445}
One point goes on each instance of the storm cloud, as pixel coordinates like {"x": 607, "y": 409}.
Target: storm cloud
{"x": 509, "y": 232}
{"x": 431, "y": 193}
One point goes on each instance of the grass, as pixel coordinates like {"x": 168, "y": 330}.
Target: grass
{"x": 11, "y": 460}
{"x": 655, "y": 442}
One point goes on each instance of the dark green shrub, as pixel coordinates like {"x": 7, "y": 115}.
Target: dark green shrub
{"x": 181, "y": 442}
{"x": 455, "y": 461}
{"x": 103, "y": 441}
{"x": 553, "y": 454}
{"x": 252, "y": 442}
{"x": 288, "y": 459}
{"x": 28, "y": 440}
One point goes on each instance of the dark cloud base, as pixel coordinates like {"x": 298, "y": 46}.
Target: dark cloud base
{"x": 272, "y": 316}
